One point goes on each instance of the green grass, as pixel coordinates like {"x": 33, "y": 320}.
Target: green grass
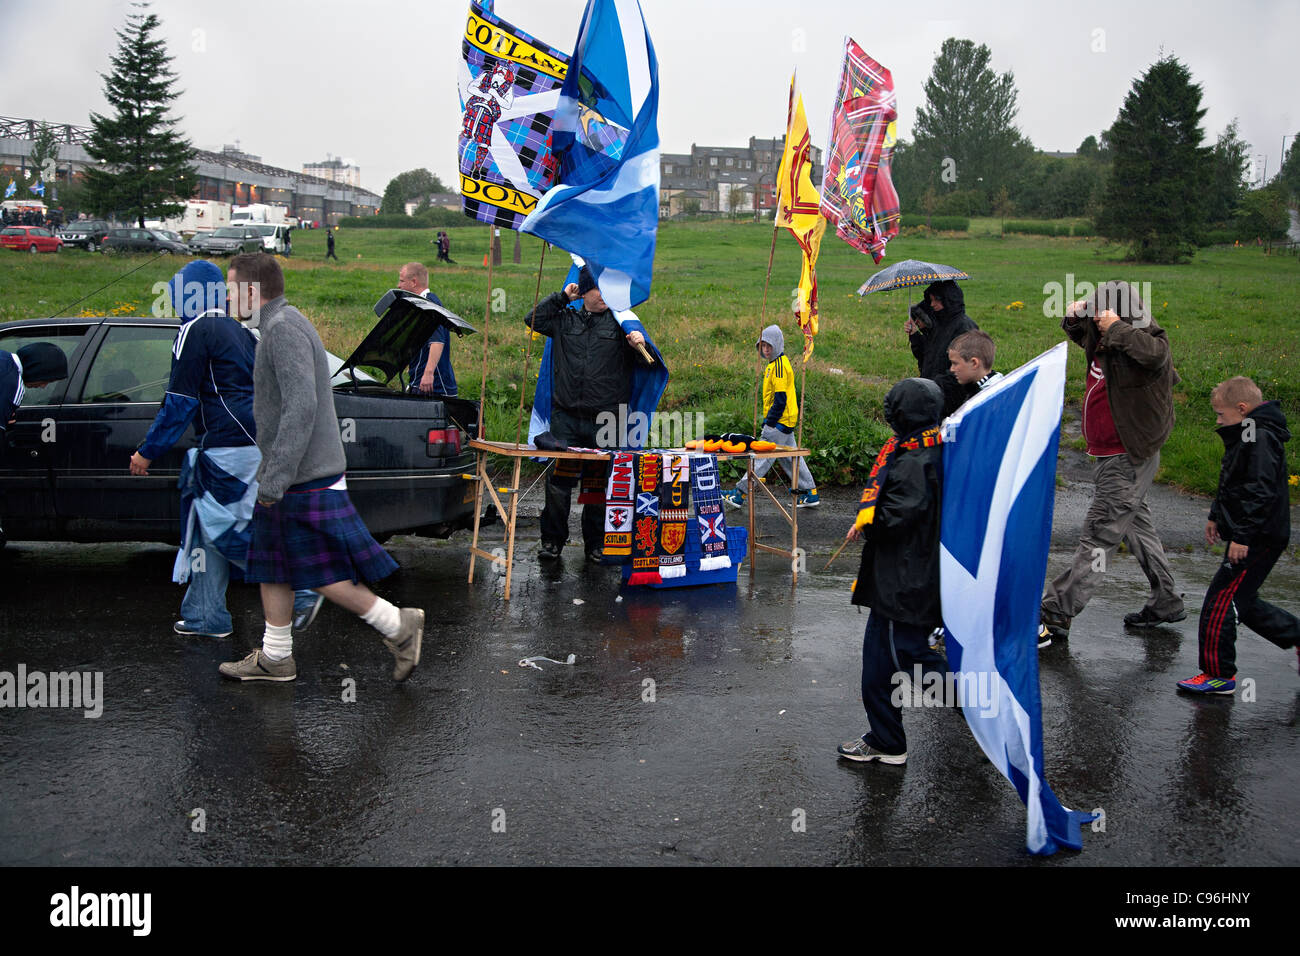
{"x": 1226, "y": 314}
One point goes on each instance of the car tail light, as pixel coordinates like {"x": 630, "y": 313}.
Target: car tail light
{"x": 441, "y": 442}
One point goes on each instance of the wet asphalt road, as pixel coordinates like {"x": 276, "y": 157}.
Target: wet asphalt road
{"x": 753, "y": 689}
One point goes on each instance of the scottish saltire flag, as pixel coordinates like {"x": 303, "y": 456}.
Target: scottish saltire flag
{"x": 218, "y": 491}
{"x": 999, "y": 481}
{"x": 605, "y": 206}
{"x": 648, "y": 381}
{"x": 509, "y": 86}
{"x": 858, "y": 195}
{"x": 10, "y": 189}
{"x": 38, "y": 189}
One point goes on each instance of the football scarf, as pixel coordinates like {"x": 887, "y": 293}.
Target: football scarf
{"x": 674, "y": 502}
{"x": 708, "y": 513}
{"x": 926, "y": 438}
{"x": 646, "y": 547}
{"x": 618, "y": 505}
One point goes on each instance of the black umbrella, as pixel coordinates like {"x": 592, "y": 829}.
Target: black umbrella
{"x": 909, "y": 272}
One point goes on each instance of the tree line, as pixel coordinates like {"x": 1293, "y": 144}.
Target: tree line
{"x": 1150, "y": 181}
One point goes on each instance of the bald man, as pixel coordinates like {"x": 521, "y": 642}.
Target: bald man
{"x": 430, "y": 371}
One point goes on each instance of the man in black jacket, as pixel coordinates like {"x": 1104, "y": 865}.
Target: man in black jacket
{"x": 899, "y": 574}
{"x": 591, "y": 366}
{"x": 931, "y": 326}
{"x": 1251, "y": 514}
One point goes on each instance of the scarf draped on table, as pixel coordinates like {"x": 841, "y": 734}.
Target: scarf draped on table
{"x": 674, "y": 512}
{"x": 708, "y": 513}
{"x": 647, "y": 548}
{"x": 618, "y": 504}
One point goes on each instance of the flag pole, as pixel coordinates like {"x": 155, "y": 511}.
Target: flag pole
{"x": 528, "y": 348}
{"x": 762, "y": 318}
{"x": 487, "y": 320}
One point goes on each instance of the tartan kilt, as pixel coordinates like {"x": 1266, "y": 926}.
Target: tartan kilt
{"x": 311, "y": 539}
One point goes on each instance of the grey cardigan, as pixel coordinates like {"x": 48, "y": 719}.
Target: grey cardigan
{"x": 293, "y": 404}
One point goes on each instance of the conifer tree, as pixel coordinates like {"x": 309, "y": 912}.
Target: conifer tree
{"x": 145, "y": 165}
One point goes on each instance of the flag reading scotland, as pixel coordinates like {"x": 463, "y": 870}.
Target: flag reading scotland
{"x": 605, "y": 205}
{"x": 999, "y": 461}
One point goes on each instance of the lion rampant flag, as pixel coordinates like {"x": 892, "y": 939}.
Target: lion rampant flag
{"x": 798, "y": 208}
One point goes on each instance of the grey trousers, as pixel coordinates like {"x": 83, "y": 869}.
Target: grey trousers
{"x": 1118, "y": 512}
{"x": 773, "y": 434}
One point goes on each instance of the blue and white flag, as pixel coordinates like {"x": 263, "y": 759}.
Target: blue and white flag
{"x": 10, "y": 189}
{"x": 38, "y": 189}
{"x": 605, "y": 205}
{"x": 648, "y": 381}
{"x": 999, "y": 461}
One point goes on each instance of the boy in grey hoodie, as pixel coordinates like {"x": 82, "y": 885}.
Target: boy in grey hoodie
{"x": 782, "y": 415}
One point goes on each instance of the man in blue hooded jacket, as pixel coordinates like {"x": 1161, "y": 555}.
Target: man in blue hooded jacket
{"x": 211, "y": 386}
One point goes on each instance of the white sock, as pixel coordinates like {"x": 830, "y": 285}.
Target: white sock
{"x": 277, "y": 642}
{"x": 384, "y": 618}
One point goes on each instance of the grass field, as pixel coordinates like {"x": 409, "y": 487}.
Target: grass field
{"x": 1229, "y": 312}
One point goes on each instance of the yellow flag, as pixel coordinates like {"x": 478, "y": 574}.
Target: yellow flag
{"x": 798, "y": 208}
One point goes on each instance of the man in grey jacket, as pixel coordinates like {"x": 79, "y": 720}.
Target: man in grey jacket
{"x": 305, "y": 531}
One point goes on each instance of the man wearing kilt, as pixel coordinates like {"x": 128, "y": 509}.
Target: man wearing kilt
{"x": 305, "y": 531}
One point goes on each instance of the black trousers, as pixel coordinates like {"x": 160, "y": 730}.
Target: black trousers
{"x": 577, "y": 431}
{"x": 888, "y": 648}
{"x": 1233, "y": 597}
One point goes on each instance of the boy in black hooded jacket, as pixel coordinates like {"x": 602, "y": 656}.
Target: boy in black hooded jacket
{"x": 899, "y": 574}
{"x": 1251, "y": 514}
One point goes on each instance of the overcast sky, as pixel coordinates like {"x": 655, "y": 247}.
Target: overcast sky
{"x": 375, "y": 81}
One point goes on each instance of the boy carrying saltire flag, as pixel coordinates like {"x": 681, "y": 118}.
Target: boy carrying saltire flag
{"x": 858, "y": 194}
{"x": 999, "y": 461}
{"x": 509, "y": 86}
{"x": 798, "y": 209}
{"x": 605, "y": 205}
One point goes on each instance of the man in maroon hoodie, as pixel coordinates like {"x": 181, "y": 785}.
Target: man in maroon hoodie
{"x": 1128, "y": 413}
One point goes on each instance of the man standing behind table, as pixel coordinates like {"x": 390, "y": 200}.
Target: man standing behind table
{"x": 306, "y": 532}
{"x": 591, "y": 362}
{"x": 430, "y": 372}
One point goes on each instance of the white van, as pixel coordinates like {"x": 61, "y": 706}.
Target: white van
{"x": 273, "y": 236}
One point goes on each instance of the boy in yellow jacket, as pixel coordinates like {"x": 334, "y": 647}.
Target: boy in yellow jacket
{"x": 782, "y": 405}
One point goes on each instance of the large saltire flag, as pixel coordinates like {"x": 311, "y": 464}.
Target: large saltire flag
{"x": 605, "y": 206}
{"x": 999, "y": 479}
{"x": 858, "y": 195}
{"x": 509, "y": 87}
{"x": 648, "y": 381}
{"x": 798, "y": 209}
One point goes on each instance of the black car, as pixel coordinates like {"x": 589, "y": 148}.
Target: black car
{"x": 87, "y": 233}
{"x": 141, "y": 240}
{"x": 227, "y": 241}
{"x": 64, "y": 475}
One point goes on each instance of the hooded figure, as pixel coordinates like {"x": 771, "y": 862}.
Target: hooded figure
{"x": 938, "y": 327}
{"x": 35, "y": 364}
{"x": 899, "y": 573}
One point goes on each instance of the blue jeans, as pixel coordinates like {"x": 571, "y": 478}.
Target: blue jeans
{"x": 204, "y": 606}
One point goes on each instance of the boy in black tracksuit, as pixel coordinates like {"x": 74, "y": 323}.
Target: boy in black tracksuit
{"x": 1252, "y": 515}
{"x": 899, "y": 574}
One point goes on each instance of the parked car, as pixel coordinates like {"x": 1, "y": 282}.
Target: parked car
{"x": 226, "y": 241}
{"x": 64, "y": 475}
{"x": 167, "y": 234}
{"x": 85, "y": 233}
{"x": 141, "y": 240}
{"x": 29, "y": 239}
